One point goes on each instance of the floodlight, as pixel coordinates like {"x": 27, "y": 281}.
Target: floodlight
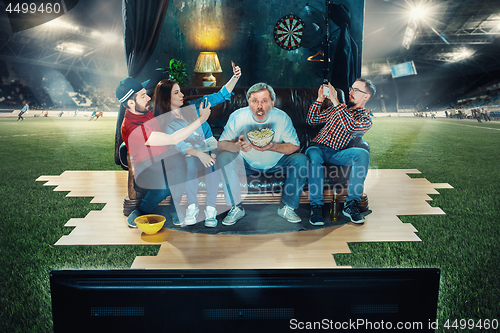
{"x": 110, "y": 37}
{"x": 409, "y": 35}
{"x": 61, "y": 25}
{"x": 72, "y": 48}
{"x": 461, "y": 54}
{"x": 418, "y": 13}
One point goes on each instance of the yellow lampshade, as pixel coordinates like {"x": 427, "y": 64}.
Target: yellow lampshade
{"x": 208, "y": 62}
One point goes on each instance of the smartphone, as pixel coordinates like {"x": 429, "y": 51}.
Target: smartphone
{"x": 326, "y": 91}
{"x": 205, "y": 103}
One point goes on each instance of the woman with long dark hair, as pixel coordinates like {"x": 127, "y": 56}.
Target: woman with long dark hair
{"x": 200, "y": 149}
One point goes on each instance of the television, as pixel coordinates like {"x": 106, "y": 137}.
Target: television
{"x": 403, "y": 69}
{"x": 262, "y": 300}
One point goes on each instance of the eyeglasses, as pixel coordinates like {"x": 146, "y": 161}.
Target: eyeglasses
{"x": 263, "y": 102}
{"x": 357, "y": 90}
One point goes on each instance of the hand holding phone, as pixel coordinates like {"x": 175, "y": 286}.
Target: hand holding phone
{"x": 326, "y": 91}
{"x": 236, "y": 70}
{"x": 205, "y": 110}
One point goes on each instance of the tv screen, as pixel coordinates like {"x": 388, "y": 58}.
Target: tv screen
{"x": 244, "y": 300}
{"x": 404, "y": 69}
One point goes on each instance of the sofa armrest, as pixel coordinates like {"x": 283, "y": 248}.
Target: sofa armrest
{"x": 122, "y": 155}
{"x": 358, "y": 142}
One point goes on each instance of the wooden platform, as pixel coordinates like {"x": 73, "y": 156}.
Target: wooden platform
{"x": 391, "y": 193}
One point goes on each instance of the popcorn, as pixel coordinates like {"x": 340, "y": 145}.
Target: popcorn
{"x": 261, "y": 138}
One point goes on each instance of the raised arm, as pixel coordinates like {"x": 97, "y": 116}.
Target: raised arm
{"x": 234, "y": 79}
{"x": 163, "y": 139}
{"x": 315, "y": 114}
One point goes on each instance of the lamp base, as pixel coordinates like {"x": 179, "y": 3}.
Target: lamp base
{"x": 209, "y": 81}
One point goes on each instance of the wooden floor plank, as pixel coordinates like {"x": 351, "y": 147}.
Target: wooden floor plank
{"x": 391, "y": 193}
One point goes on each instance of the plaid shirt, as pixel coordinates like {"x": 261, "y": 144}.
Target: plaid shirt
{"x": 341, "y": 124}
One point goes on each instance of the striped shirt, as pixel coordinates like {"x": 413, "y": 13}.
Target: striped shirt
{"x": 341, "y": 124}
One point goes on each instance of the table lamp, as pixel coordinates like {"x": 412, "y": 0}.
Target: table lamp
{"x": 208, "y": 63}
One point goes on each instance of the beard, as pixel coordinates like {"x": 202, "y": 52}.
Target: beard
{"x": 350, "y": 104}
{"x": 144, "y": 109}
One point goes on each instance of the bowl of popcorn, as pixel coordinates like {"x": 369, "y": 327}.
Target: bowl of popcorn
{"x": 261, "y": 138}
{"x": 150, "y": 224}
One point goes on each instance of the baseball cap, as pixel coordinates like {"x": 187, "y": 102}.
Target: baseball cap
{"x": 129, "y": 87}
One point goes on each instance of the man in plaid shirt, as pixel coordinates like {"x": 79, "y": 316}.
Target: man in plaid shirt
{"x": 343, "y": 122}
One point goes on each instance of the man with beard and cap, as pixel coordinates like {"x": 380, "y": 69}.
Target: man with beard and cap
{"x": 147, "y": 145}
{"x": 280, "y": 156}
{"x": 343, "y": 123}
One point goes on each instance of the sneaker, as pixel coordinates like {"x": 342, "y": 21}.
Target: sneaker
{"x": 234, "y": 215}
{"x": 288, "y": 213}
{"x": 175, "y": 219}
{"x": 131, "y": 218}
{"x": 210, "y": 217}
{"x": 351, "y": 210}
{"x": 191, "y": 214}
{"x": 316, "y": 217}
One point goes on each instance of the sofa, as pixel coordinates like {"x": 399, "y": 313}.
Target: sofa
{"x": 266, "y": 188}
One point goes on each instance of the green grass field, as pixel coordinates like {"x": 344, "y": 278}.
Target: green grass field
{"x": 463, "y": 243}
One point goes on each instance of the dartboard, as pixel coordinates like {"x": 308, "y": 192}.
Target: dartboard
{"x": 288, "y": 32}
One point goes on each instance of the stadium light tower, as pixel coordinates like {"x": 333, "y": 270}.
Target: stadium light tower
{"x": 417, "y": 14}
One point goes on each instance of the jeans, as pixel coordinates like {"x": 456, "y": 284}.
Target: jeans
{"x": 151, "y": 200}
{"x": 357, "y": 158}
{"x": 293, "y": 165}
{"x": 161, "y": 179}
{"x": 211, "y": 178}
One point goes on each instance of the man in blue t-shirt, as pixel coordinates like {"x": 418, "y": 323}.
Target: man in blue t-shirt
{"x": 278, "y": 157}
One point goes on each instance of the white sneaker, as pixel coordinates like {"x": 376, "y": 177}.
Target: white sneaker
{"x": 210, "y": 217}
{"x": 191, "y": 214}
{"x": 289, "y": 214}
{"x": 234, "y": 215}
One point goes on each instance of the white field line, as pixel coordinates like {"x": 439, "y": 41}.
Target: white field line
{"x": 490, "y": 128}
{"x": 50, "y": 134}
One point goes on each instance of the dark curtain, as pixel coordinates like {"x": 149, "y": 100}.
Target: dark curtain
{"x": 142, "y": 23}
{"x": 343, "y": 70}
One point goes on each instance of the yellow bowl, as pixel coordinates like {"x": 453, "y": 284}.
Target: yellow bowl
{"x": 150, "y": 224}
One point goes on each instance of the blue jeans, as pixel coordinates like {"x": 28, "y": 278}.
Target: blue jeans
{"x": 161, "y": 179}
{"x": 294, "y": 166}
{"x": 152, "y": 198}
{"x": 211, "y": 179}
{"x": 357, "y": 158}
